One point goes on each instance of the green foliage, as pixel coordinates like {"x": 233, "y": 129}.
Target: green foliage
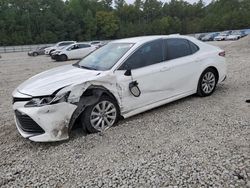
{"x": 47, "y": 21}
{"x": 107, "y": 24}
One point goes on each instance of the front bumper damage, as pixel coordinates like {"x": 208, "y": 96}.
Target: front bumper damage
{"x": 54, "y": 120}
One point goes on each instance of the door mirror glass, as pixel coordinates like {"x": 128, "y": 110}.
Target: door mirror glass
{"x": 134, "y": 89}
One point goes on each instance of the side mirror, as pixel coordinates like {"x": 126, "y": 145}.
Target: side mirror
{"x": 128, "y": 72}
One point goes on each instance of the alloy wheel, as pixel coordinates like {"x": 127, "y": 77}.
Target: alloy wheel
{"x": 103, "y": 115}
{"x": 208, "y": 82}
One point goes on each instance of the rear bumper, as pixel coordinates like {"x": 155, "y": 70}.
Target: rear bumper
{"x": 222, "y": 69}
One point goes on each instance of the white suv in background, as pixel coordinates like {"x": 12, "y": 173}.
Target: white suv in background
{"x": 73, "y": 51}
{"x": 59, "y": 45}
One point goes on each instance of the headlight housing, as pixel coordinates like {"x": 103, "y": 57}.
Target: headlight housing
{"x": 43, "y": 101}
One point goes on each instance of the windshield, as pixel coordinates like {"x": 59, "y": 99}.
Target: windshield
{"x": 106, "y": 57}
{"x": 64, "y": 47}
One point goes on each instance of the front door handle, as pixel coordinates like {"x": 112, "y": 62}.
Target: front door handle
{"x": 165, "y": 69}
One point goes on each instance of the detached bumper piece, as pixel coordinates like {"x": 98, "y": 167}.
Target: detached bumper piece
{"x": 27, "y": 124}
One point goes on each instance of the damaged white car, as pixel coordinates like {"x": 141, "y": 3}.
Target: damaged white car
{"x": 121, "y": 79}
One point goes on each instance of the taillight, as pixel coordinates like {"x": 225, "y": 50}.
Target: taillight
{"x": 223, "y": 54}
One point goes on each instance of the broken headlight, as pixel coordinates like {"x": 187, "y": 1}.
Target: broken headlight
{"x": 42, "y": 101}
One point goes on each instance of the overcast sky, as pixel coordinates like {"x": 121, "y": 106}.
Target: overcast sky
{"x": 190, "y": 1}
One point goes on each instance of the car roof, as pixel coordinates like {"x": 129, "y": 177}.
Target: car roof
{"x": 144, "y": 39}
{"x": 82, "y": 43}
{"x": 65, "y": 41}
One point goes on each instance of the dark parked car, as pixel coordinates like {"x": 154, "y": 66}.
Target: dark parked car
{"x": 38, "y": 51}
{"x": 242, "y": 34}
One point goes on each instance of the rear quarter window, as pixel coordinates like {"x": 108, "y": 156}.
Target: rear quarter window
{"x": 194, "y": 47}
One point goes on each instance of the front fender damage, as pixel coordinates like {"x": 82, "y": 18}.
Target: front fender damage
{"x": 88, "y": 93}
{"x": 84, "y": 101}
{"x": 81, "y": 96}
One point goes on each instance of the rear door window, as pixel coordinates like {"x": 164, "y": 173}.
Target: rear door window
{"x": 176, "y": 48}
{"x": 65, "y": 43}
{"x": 84, "y": 46}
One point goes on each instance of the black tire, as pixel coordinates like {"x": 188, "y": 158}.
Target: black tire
{"x": 200, "y": 90}
{"x": 35, "y": 54}
{"x": 63, "y": 57}
{"x": 86, "y": 115}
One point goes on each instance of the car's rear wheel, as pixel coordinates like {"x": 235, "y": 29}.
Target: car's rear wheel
{"x": 207, "y": 82}
{"x": 101, "y": 115}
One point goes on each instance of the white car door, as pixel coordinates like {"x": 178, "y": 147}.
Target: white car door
{"x": 149, "y": 71}
{"x": 85, "y": 49}
{"x": 175, "y": 75}
{"x": 73, "y": 51}
{"x": 183, "y": 66}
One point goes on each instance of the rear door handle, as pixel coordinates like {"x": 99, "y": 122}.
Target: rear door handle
{"x": 165, "y": 69}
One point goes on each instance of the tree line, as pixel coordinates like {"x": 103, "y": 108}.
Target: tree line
{"x": 47, "y": 21}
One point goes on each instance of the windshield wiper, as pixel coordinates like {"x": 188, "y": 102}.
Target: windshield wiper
{"x": 89, "y": 68}
{"x": 83, "y": 67}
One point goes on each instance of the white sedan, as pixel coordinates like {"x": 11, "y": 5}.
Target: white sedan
{"x": 123, "y": 78}
{"x": 74, "y": 51}
{"x": 235, "y": 35}
{"x": 57, "y": 46}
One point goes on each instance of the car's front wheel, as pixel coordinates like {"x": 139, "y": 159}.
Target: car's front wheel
{"x": 207, "y": 82}
{"x": 63, "y": 57}
{"x": 101, "y": 115}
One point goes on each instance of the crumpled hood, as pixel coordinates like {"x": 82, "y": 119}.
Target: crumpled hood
{"x": 46, "y": 83}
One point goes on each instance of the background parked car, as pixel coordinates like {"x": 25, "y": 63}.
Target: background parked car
{"x": 233, "y": 36}
{"x": 74, "y": 51}
{"x": 199, "y": 36}
{"x": 98, "y": 43}
{"x": 236, "y": 35}
{"x": 58, "y": 46}
{"x": 38, "y": 51}
{"x": 210, "y": 37}
{"x": 222, "y": 36}
{"x": 243, "y": 34}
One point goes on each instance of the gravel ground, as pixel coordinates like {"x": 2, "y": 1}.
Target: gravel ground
{"x": 194, "y": 142}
